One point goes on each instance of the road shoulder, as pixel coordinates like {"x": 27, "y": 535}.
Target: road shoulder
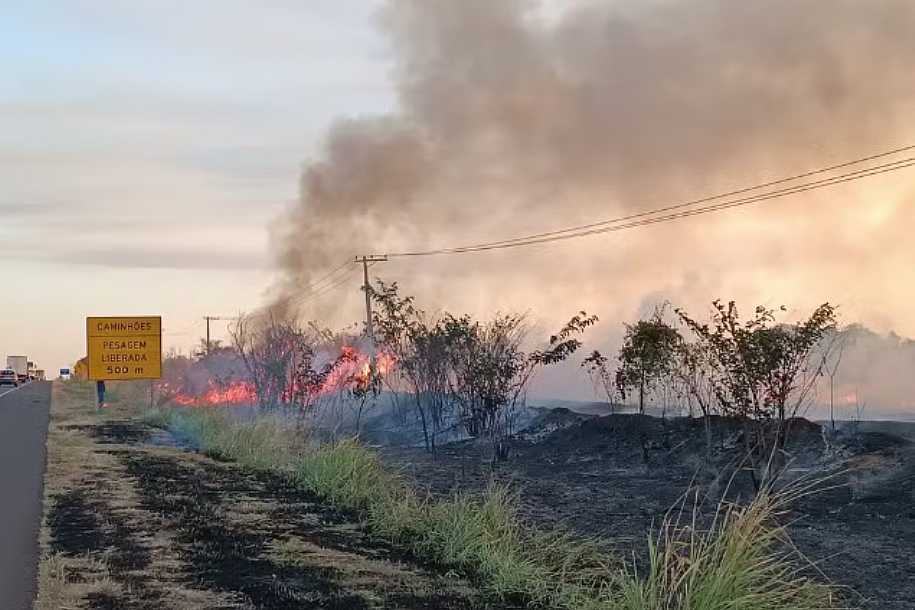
{"x": 132, "y": 522}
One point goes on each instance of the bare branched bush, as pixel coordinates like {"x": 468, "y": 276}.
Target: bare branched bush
{"x": 458, "y": 371}
{"x": 272, "y": 345}
{"x": 602, "y": 378}
{"x": 310, "y": 369}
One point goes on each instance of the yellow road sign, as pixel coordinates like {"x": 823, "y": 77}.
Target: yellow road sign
{"x": 124, "y": 348}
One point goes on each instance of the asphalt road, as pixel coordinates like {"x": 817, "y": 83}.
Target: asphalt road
{"x": 23, "y": 432}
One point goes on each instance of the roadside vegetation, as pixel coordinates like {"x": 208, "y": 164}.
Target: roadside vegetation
{"x": 758, "y": 372}
{"x": 741, "y": 561}
{"x": 455, "y": 376}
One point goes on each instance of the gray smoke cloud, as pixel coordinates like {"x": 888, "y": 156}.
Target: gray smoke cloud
{"x": 873, "y": 377}
{"x": 513, "y": 119}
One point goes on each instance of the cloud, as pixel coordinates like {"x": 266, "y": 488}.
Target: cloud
{"x": 136, "y": 123}
{"x": 170, "y": 258}
{"x": 12, "y": 212}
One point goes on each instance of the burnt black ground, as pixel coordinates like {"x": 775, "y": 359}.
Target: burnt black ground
{"x": 590, "y": 476}
{"x": 23, "y": 432}
{"x": 194, "y": 502}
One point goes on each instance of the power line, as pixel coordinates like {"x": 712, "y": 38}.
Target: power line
{"x": 311, "y": 296}
{"x": 313, "y": 285}
{"x": 668, "y": 213}
{"x": 316, "y": 287}
{"x": 692, "y": 212}
{"x": 741, "y": 191}
{"x": 651, "y": 218}
{"x": 681, "y": 210}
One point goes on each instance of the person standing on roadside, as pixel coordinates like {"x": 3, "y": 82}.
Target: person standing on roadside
{"x": 100, "y": 390}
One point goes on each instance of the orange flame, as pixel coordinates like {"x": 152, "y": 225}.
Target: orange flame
{"x": 850, "y": 398}
{"x": 355, "y": 367}
{"x": 239, "y": 392}
{"x": 352, "y": 368}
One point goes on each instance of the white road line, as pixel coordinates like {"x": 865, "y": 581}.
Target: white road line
{"x": 19, "y": 387}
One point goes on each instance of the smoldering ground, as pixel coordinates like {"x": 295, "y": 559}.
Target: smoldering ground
{"x": 516, "y": 117}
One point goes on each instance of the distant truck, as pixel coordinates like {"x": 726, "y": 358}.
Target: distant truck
{"x": 64, "y": 374}
{"x": 20, "y": 364}
{"x": 40, "y": 374}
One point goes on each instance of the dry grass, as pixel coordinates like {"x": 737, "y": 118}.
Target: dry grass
{"x": 738, "y": 563}
{"x": 742, "y": 561}
{"x": 173, "y": 573}
{"x": 75, "y": 461}
{"x": 64, "y": 582}
{"x": 478, "y": 536}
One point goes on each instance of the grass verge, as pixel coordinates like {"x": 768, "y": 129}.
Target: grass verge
{"x": 738, "y": 563}
{"x": 64, "y": 581}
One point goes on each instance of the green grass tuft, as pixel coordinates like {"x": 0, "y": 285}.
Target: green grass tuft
{"x": 739, "y": 563}
{"x": 158, "y": 417}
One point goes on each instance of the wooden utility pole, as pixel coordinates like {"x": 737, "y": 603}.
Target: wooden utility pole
{"x": 367, "y": 287}
{"x": 208, "y": 319}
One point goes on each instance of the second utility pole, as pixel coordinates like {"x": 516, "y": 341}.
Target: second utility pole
{"x": 210, "y": 319}
{"x": 367, "y": 288}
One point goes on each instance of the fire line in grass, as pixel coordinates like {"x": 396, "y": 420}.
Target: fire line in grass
{"x": 351, "y": 370}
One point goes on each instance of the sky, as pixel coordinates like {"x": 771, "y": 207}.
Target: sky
{"x": 145, "y": 147}
{"x": 205, "y": 158}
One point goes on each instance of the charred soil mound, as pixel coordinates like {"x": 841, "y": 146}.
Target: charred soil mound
{"x": 615, "y": 477}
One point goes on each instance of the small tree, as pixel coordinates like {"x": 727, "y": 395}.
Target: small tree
{"x": 491, "y": 373}
{"x": 693, "y": 372}
{"x": 836, "y": 349}
{"x": 762, "y": 373}
{"x": 486, "y": 363}
{"x": 647, "y": 356}
{"x": 422, "y": 350}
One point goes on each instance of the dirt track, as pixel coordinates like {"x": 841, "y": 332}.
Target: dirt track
{"x": 145, "y": 526}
